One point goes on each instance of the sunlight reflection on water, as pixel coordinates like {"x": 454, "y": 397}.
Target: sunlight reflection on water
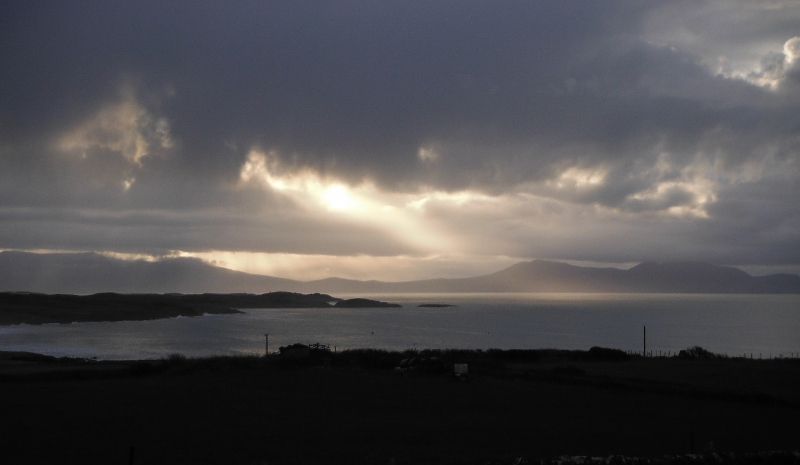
{"x": 720, "y": 323}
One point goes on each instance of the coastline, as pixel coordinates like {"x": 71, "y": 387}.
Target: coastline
{"x": 35, "y": 309}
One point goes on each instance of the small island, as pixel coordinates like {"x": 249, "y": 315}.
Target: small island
{"x": 363, "y": 303}
{"x": 436, "y": 305}
{"x": 33, "y": 308}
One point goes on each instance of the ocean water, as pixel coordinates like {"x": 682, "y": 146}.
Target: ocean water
{"x": 761, "y": 325}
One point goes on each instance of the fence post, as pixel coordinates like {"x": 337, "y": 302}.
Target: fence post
{"x": 644, "y": 340}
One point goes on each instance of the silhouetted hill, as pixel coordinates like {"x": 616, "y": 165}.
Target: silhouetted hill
{"x": 546, "y": 276}
{"x": 36, "y": 308}
{"x": 89, "y": 273}
{"x": 692, "y": 277}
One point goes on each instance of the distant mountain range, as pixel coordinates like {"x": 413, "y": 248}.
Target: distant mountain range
{"x": 89, "y": 273}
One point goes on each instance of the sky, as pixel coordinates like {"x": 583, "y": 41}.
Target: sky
{"x": 401, "y": 140}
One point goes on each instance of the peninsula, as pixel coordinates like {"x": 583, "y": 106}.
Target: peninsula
{"x": 35, "y": 308}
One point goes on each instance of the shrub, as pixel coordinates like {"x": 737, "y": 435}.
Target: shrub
{"x": 698, "y": 353}
{"x": 305, "y": 355}
{"x": 604, "y": 353}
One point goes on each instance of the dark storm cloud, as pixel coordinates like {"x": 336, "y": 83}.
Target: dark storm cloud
{"x": 354, "y": 87}
{"x": 144, "y": 113}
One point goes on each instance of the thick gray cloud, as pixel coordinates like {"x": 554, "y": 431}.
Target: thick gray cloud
{"x": 634, "y": 130}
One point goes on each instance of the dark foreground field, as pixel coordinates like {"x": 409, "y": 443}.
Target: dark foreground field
{"x": 352, "y": 407}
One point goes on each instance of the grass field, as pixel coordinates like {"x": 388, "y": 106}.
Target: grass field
{"x": 353, "y": 407}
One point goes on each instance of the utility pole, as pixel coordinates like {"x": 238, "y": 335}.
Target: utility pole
{"x": 644, "y": 335}
{"x": 266, "y": 336}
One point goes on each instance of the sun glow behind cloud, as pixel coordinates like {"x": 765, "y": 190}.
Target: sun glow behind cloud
{"x": 123, "y": 131}
{"x": 436, "y": 224}
{"x": 770, "y": 71}
{"x": 581, "y": 178}
{"x": 402, "y": 216}
{"x": 415, "y": 220}
{"x": 123, "y": 127}
{"x": 671, "y": 136}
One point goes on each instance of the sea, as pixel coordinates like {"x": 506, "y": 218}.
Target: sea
{"x": 757, "y": 326}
